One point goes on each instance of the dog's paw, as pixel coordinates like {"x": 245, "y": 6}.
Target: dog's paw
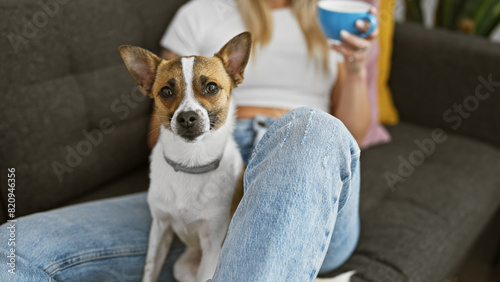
{"x": 186, "y": 267}
{"x": 344, "y": 277}
{"x": 185, "y": 272}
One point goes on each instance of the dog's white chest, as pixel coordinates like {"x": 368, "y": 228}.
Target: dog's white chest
{"x": 187, "y": 201}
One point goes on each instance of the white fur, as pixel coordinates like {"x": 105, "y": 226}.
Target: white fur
{"x": 344, "y": 277}
{"x": 195, "y": 207}
{"x": 189, "y": 103}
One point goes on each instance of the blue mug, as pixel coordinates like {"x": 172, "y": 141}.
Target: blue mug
{"x": 337, "y": 15}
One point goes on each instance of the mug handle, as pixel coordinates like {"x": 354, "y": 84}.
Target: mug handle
{"x": 373, "y": 24}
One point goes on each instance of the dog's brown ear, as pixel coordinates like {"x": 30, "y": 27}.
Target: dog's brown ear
{"x": 235, "y": 54}
{"x": 142, "y": 66}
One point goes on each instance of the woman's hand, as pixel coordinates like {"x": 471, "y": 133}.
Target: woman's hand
{"x": 355, "y": 49}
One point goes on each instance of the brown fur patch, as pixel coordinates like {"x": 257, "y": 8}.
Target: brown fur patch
{"x": 224, "y": 69}
{"x": 238, "y": 193}
{"x": 205, "y": 70}
{"x": 208, "y": 70}
{"x": 235, "y": 54}
{"x": 142, "y": 66}
{"x": 169, "y": 73}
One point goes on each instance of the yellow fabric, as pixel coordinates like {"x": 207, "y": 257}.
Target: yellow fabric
{"x": 387, "y": 112}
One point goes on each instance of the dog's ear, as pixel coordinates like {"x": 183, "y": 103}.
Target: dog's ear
{"x": 142, "y": 66}
{"x": 235, "y": 54}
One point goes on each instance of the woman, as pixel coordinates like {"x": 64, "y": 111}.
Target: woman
{"x": 299, "y": 214}
{"x": 291, "y": 67}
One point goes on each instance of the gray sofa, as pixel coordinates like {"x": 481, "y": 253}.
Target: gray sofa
{"x": 74, "y": 127}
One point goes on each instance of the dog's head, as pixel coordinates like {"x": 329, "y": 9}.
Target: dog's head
{"x": 191, "y": 94}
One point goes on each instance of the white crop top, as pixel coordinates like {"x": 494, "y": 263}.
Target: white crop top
{"x": 282, "y": 74}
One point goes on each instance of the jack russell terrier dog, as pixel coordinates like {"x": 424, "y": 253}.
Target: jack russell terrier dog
{"x": 196, "y": 167}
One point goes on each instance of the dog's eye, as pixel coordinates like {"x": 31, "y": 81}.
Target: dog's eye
{"x": 166, "y": 93}
{"x": 211, "y": 88}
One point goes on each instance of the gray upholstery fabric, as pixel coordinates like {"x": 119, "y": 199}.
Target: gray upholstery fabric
{"x": 422, "y": 230}
{"x": 132, "y": 182}
{"x": 64, "y": 78}
{"x": 434, "y": 71}
{"x": 63, "y": 75}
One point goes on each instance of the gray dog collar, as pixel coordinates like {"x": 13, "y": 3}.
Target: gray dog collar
{"x": 194, "y": 169}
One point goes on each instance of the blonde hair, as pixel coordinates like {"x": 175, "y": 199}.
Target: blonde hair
{"x": 257, "y": 18}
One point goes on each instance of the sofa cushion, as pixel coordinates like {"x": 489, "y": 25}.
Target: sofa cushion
{"x": 421, "y": 229}
{"x": 446, "y": 79}
{"x": 72, "y": 116}
{"x": 129, "y": 183}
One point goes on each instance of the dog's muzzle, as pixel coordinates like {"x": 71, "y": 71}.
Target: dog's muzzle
{"x": 190, "y": 125}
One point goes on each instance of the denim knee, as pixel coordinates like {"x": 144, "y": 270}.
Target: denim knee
{"x": 323, "y": 127}
{"x": 304, "y": 146}
{"x": 310, "y": 127}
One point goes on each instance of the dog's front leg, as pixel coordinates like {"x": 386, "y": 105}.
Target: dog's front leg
{"x": 211, "y": 238}
{"x": 160, "y": 238}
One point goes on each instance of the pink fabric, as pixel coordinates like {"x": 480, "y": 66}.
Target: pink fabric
{"x": 376, "y": 133}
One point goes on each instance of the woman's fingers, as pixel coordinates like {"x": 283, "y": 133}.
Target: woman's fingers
{"x": 373, "y": 35}
{"x": 353, "y": 41}
{"x": 349, "y": 53}
{"x": 362, "y": 26}
{"x": 354, "y": 48}
{"x": 345, "y": 49}
{"x": 341, "y": 49}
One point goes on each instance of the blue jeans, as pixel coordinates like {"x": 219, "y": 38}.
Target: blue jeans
{"x": 298, "y": 216}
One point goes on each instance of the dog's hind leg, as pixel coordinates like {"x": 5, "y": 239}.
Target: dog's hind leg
{"x": 186, "y": 267}
{"x": 160, "y": 238}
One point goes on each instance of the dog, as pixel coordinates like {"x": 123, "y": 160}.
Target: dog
{"x": 196, "y": 168}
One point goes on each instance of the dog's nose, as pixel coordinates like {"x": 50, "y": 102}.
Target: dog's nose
{"x": 187, "y": 119}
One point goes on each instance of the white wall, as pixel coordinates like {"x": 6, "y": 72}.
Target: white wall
{"x": 428, "y": 7}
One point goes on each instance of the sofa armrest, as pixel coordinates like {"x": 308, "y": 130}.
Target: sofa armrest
{"x": 447, "y": 80}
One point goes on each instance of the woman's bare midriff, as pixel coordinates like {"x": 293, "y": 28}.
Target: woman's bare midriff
{"x": 251, "y": 112}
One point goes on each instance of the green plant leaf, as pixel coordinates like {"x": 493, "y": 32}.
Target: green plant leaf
{"x": 487, "y": 18}
{"x": 414, "y": 11}
{"x": 447, "y": 13}
{"x": 465, "y": 21}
